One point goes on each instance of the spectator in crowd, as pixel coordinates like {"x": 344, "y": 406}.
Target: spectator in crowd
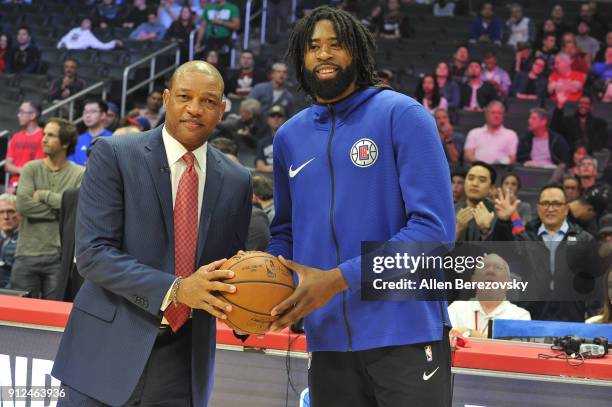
{"x": 370, "y": 20}
{"x": 168, "y": 12}
{"x": 601, "y": 55}
{"x": 586, "y": 210}
{"x": 548, "y": 51}
{"x": 212, "y": 57}
{"x": 82, "y": 38}
{"x": 135, "y": 14}
{"x": 531, "y": 85}
{"x": 522, "y": 58}
{"x": 511, "y": 185}
{"x": 587, "y": 172}
{"x": 475, "y": 216}
{"x": 565, "y": 83}
{"x": 520, "y": 29}
{"x": 180, "y": 29}
{"x": 605, "y": 315}
{"x": 25, "y": 145}
{"x": 495, "y": 75}
{"x": 275, "y": 91}
{"x": 152, "y": 111}
{"x": 550, "y": 272}
{"x": 582, "y": 126}
{"x": 471, "y": 318}
{"x": 106, "y": 14}
{"x": 580, "y": 151}
{"x": 9, "y": 233}
{"x": 557, "y": 15}
{"x": 459, "y": 64}
{"x": 392, "y": 24}
{"x": 603, "y": 70}
{"x": 111, "y": 119}
{"x": 227, "y": 147}
{"x": 244, "y": 129}
{"x": 542, "y": 147}
{"x": 68, "y": 84}
{"x": 444, "y": 8}
{"x": 571, "y": 187}
{"x": 428, "y": 94}
{"x": 263, "y": 195}
{"x": 37, "y": 259}
{"x": 279, "y": 13}
{"x": 24, "y": 57}
{"x": 94, "y": 112}
{"x": 240, "y": 82}
{"x": 585, "y": 42}
{"x": 5, "y": 48}
{"x": 452, "y": 141}
{"x": 487, "y": 28}
{"x": 458, "y": 186}
{"x": 264, "y": 158}
{"x": 598, "y": 23}
{"x": 150, "y": 30}
{"x": 492, "y": 143}
{"x": 449, "y": 88}
{"x": 219, "y": 21}
{"x": 547, "y": 28}
{"x": 258, "y": 235}
{"x": 476, "y": 93}
{"x": 580, "y": 61}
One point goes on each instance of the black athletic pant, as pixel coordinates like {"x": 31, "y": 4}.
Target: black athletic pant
{"x": 394, "y": 376}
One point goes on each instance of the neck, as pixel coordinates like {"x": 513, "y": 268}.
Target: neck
{"x": 247, "y": 69}
{"x": 94, "y": 131}
{"x": 472, "y": 202}
{"x": 475, "y": 81}
{"x": 442, "y": 81}
{"x": 587, "y": 181}
{"x": 56, "y": 162}
{"x": 265, "y": 204}
{"x": 541, "y": 133}
{"x": 31, "y": 127}
{"x": 352, "y": 88}
{"x": 493, "y": 128}
{"x": 489, "y": 306}
{"x": 277, "y": 85}
{"x": 552, "y": 229}
{"x": 532, "y": 75}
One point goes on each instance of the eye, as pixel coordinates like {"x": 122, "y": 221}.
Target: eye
{"x": 314, "y": 47}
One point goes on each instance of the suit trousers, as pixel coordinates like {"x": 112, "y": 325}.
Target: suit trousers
{"x": 165, "y": 381}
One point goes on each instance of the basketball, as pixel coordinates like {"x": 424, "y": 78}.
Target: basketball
{"x": 262, "y": 282}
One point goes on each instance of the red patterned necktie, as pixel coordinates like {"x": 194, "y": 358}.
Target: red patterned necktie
{"x": 185, "y": 236}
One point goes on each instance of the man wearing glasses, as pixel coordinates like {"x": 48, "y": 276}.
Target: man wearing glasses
{"x": 25, "y": 145}
{"x": 548, "y": 263}
{"x": 9, "y": 232}
{"x": 94, "y": 113}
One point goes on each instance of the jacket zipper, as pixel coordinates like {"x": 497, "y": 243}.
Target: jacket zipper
{"x": 333, "y": 229}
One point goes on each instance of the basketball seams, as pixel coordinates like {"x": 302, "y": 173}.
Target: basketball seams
{"x": 243, "y": 308}
{"x": 261, "y": 282}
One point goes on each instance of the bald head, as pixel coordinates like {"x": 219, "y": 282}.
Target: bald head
{"x": 197, "y": 66}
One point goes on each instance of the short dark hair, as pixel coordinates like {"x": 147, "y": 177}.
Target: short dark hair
{"x": 460, "y": 172}
{"x": 225, "y": 145}
{"x": 25, "y": 27}
{"x": 67, "y": 133}
{"x": 489, "y": 167}
{"x": 512, "y": 174}
{"x": 475, "y": 61}
{"x": 262, "y": 187}
{"x": 553, "y": 185}
{"x": 351, "y": 34}
{"x": 101, "y": 104}
{"x": 248, "y": 51}
{"x": 489, "y": 54}
{"x": 549, "y": 34}
{"x": 35, "y": 106}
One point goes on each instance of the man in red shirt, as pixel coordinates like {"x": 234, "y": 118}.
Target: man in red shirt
{"x": 25, "y": 145}
{"x": 564, "y": 80}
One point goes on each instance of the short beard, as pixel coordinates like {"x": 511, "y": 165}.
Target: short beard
{"x": 329, "y": 89}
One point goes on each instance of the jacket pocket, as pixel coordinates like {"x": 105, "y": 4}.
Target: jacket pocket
{"x": 95, "y": 302}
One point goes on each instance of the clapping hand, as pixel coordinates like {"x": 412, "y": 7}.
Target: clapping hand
{"x": 482, "y": 216}
{"x": 504, "y": 207}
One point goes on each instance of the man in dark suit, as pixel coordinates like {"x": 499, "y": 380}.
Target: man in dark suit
{"x": 158, "y": 214}
{"x": 69, "y": 280}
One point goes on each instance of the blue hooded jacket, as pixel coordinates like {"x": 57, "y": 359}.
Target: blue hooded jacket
{"x": 369, "y": 167}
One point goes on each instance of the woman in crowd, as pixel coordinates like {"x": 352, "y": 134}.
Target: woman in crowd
{"x": 5, "y": 46}
{"x": 531, "y": 85}
{"x": 605, "y": 316}
{"x": 180, "y": 29}
{"x": 450, "y": 88}
{"x": 428, "y": 94}
{"x": 511, "y": 183}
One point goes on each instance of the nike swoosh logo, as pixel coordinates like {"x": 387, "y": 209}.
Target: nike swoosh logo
{"x": 428, "y": 376}
{"x": 293, "y": 173}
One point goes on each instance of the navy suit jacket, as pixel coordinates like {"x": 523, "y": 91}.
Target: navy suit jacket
{"x": 125, "y": 252}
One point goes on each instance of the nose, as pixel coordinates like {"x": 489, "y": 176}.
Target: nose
{"x": 324, "y": 53}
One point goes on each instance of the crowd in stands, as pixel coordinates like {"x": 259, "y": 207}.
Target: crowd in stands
{"x": 528, "y": 153}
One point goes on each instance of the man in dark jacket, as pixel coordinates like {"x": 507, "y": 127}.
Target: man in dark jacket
{"x": 541, "y": 147}
{"x": 24, "y": 57}
{"x": 559, "y": 272}
{"x": 582, "y": 126}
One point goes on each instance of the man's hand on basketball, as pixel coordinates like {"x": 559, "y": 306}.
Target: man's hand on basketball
{"x": 315, "y": 289}
{"x": 196, "y": 291}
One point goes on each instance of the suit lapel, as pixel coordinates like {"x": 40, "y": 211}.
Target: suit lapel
{"x": 212, "y": 190}
{"x": 157, "y": 161}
